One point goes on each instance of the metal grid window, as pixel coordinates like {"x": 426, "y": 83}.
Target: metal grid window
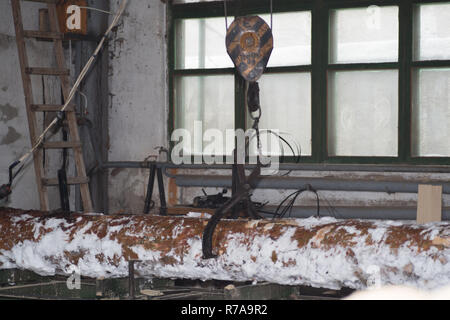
{"x": 349, "y": 81}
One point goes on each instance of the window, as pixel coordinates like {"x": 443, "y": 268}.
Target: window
{"x": 348, "y": 81}
{"x": 363, "y": 103}
{"x": 431, "y": 81}
{"x": 204, "y": 82}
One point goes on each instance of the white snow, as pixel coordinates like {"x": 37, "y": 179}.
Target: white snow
{"x": 262, "y": 259}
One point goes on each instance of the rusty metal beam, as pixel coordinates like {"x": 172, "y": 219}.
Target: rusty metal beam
{"x": 318, "y": 252}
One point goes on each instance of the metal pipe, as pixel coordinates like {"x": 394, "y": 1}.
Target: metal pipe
{"x": 294, "y": 183}
{"x": 286, "y": 167}
{"x": 349, "y": 212}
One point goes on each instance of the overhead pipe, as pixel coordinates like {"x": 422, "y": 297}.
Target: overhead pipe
{"x": 285, "y": 167}
{"x": 353, "y": 212}
{"x": 294, "y": 183}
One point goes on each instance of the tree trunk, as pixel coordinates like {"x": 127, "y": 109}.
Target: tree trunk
{"x": 322, "y": 252}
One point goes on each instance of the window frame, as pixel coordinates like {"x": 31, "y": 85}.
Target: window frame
{"x": 319, "y": 68}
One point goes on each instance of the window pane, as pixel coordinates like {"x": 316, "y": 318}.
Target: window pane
{"x": 363, "y": 113}
{"x": 364, "y": 35}
{"x": 432, "y": 32}
{"x": 431, "y": 113}
{"x": 286, "y": 106}
{"x": 291, "y": 38}
{"x": 200, "y": 43}
{"x": 206, "y": 99}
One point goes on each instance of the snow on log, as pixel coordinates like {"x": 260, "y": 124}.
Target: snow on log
{"x": 321, "y": 252}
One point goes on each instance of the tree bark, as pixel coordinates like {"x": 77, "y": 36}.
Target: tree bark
{"x": 322, "y": 252}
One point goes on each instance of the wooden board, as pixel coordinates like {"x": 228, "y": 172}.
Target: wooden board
{"x": 429, "y": 204}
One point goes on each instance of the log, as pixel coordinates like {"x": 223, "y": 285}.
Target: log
{"x": 320, "y": 252}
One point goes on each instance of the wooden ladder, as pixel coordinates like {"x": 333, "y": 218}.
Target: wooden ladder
{"x": 63, "y": 73}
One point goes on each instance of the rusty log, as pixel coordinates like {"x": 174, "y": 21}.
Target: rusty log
{"x": 321, "y": 252}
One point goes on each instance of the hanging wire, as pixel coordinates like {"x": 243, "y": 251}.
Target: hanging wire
{"x": 96, "y": 9}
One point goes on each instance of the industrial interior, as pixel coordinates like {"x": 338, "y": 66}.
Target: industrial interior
{"x": 224, "y": 150}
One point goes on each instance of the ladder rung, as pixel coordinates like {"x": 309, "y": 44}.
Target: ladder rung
{"x": 51, "y": 108}
{"x": 70, "y": 181}
{"x": 42, "y": 34}
{"x": 48, "y": 71}
{"x": 43, "y": 1}
{"x": 62, "y": 145}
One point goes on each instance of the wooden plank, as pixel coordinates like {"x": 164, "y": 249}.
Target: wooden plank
{"x": 70, "y": 181}
{"x": 71, "y": 117}
{"x": 62, "y": 145}
{"x": 51, "y": 108}
{"x": 429, "y": 204}
{"x": 48, "y": 71}
{"x": 43, "y": 19}
{"x": 28, "y": 92}
{"x": 42, "y": 34}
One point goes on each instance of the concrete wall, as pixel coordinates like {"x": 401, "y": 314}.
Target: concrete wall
{"x": 138, "y": 98}
{"x": 14, "y": 134}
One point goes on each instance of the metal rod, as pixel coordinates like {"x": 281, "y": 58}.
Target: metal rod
{"x": 162, "y": 194}
{"x": 286, "y": 166}
{"x": 357, "y": 212}
{"x": 149, "y": 204}
{"x": 294, "y": 183}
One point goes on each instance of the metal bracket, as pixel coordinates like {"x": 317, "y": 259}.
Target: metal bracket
{"x": 149, "y": 203}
